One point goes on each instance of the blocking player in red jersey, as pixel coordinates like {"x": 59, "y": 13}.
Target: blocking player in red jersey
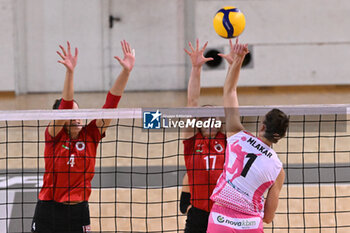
{"x": 70, "y": 151}
{"x": 251, "y": 167}
{"x": 204, "y": 151}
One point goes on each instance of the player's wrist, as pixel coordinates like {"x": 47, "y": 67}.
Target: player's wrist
{"x": 70, "y": 71}
{"x": 185, "y": 202}
{"x": 126, "y": 70}
{"x": 237, "y": 61}
{"x": 197, "y": 69}
{"x": 111, "y": 100}
{"x": 66, "y": 104}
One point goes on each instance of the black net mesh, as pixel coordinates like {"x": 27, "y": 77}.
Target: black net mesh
{"x": 138, "y": 176}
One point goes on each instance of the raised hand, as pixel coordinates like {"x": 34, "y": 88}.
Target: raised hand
{"x": 196, "y": 55}
{"x": 237, "y": 51}
{"x": 68, "y": 60}
{"x": 129, "y": 56}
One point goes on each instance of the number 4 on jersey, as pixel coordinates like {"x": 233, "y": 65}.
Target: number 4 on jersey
{"x": 71, "y": 161}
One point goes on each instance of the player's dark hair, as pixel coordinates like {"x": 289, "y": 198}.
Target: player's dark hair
{"x": 276, "y": 124}
{"x": 57, "y": 103}
{"x": 207, "y": 105}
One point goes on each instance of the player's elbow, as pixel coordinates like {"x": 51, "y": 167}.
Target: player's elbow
{"x": 230, "y": 99}
{"x": 268, "y": 219}
{"x": 230, "y": 91}
{"x": 192, "y": 102}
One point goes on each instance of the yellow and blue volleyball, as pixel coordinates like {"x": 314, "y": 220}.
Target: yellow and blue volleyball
{"x": 229, "y": 22}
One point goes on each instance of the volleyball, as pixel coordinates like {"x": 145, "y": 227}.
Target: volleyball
{"x": 229, "y": 22}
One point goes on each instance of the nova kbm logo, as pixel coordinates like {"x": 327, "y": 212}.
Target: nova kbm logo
{"x": 151, "y": 120}
{"x": 220, "y": 219}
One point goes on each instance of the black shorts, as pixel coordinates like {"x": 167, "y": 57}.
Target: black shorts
{"x": 197, "y": 221}
{"x": 55, "y": 217}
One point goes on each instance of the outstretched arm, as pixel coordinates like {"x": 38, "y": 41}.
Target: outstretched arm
{"x": 69, "y": 61}
{"x": 235, "y": 59}
{"x": 197, "y": 60}
{"x": 118, "y": 87}
{"x": 271, "y": 202}
{"x": 127, "y": 64}
{"x": 194, "y": 88}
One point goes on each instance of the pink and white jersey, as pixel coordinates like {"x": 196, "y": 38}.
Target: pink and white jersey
{"x": 251, "y": 167}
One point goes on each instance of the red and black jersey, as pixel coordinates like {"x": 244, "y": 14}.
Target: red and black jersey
{"x": 70, "y": 164}
{"x": 204, "y": 159}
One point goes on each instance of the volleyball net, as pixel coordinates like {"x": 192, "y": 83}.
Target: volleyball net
{"x": 138, "y": 172}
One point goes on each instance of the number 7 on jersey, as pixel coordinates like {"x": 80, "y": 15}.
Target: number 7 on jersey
{"x": 249, "y": 163}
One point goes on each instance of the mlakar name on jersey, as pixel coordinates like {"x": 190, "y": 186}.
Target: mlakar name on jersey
{"x": 259, "y": 147}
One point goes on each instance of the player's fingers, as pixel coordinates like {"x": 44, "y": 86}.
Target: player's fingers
{"x": 62, "y": 62}
{"x": 197, "y": 44}
{"x": 231, "y": 45}
{"x": 208, "y": 59}
{"x": 246, "y": 48}
{"x": 118, "y": 59}
{"x": 188, "y": 52}
{"x": 123, "y": 46}
{"x": 133, "y": 52}
{"x": 241, "y": 48}
{"x": 234, "y": 48}
{"x": 223, "y": 56}
{"x": 68, "y": 48}
{"x": 128, "y": 49}
{"x": 126, "y": 46}
{"x": 238, "y": 46}
{"x": 205, "y": 46}
{"x": 237, "y": 40}
{"x": 76, "y": 52}
{"x": 60, "y": 54}
{"x": 63, "y": 50}
{"x": 191, "y": 47}
{"x": 237, "y": 49}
